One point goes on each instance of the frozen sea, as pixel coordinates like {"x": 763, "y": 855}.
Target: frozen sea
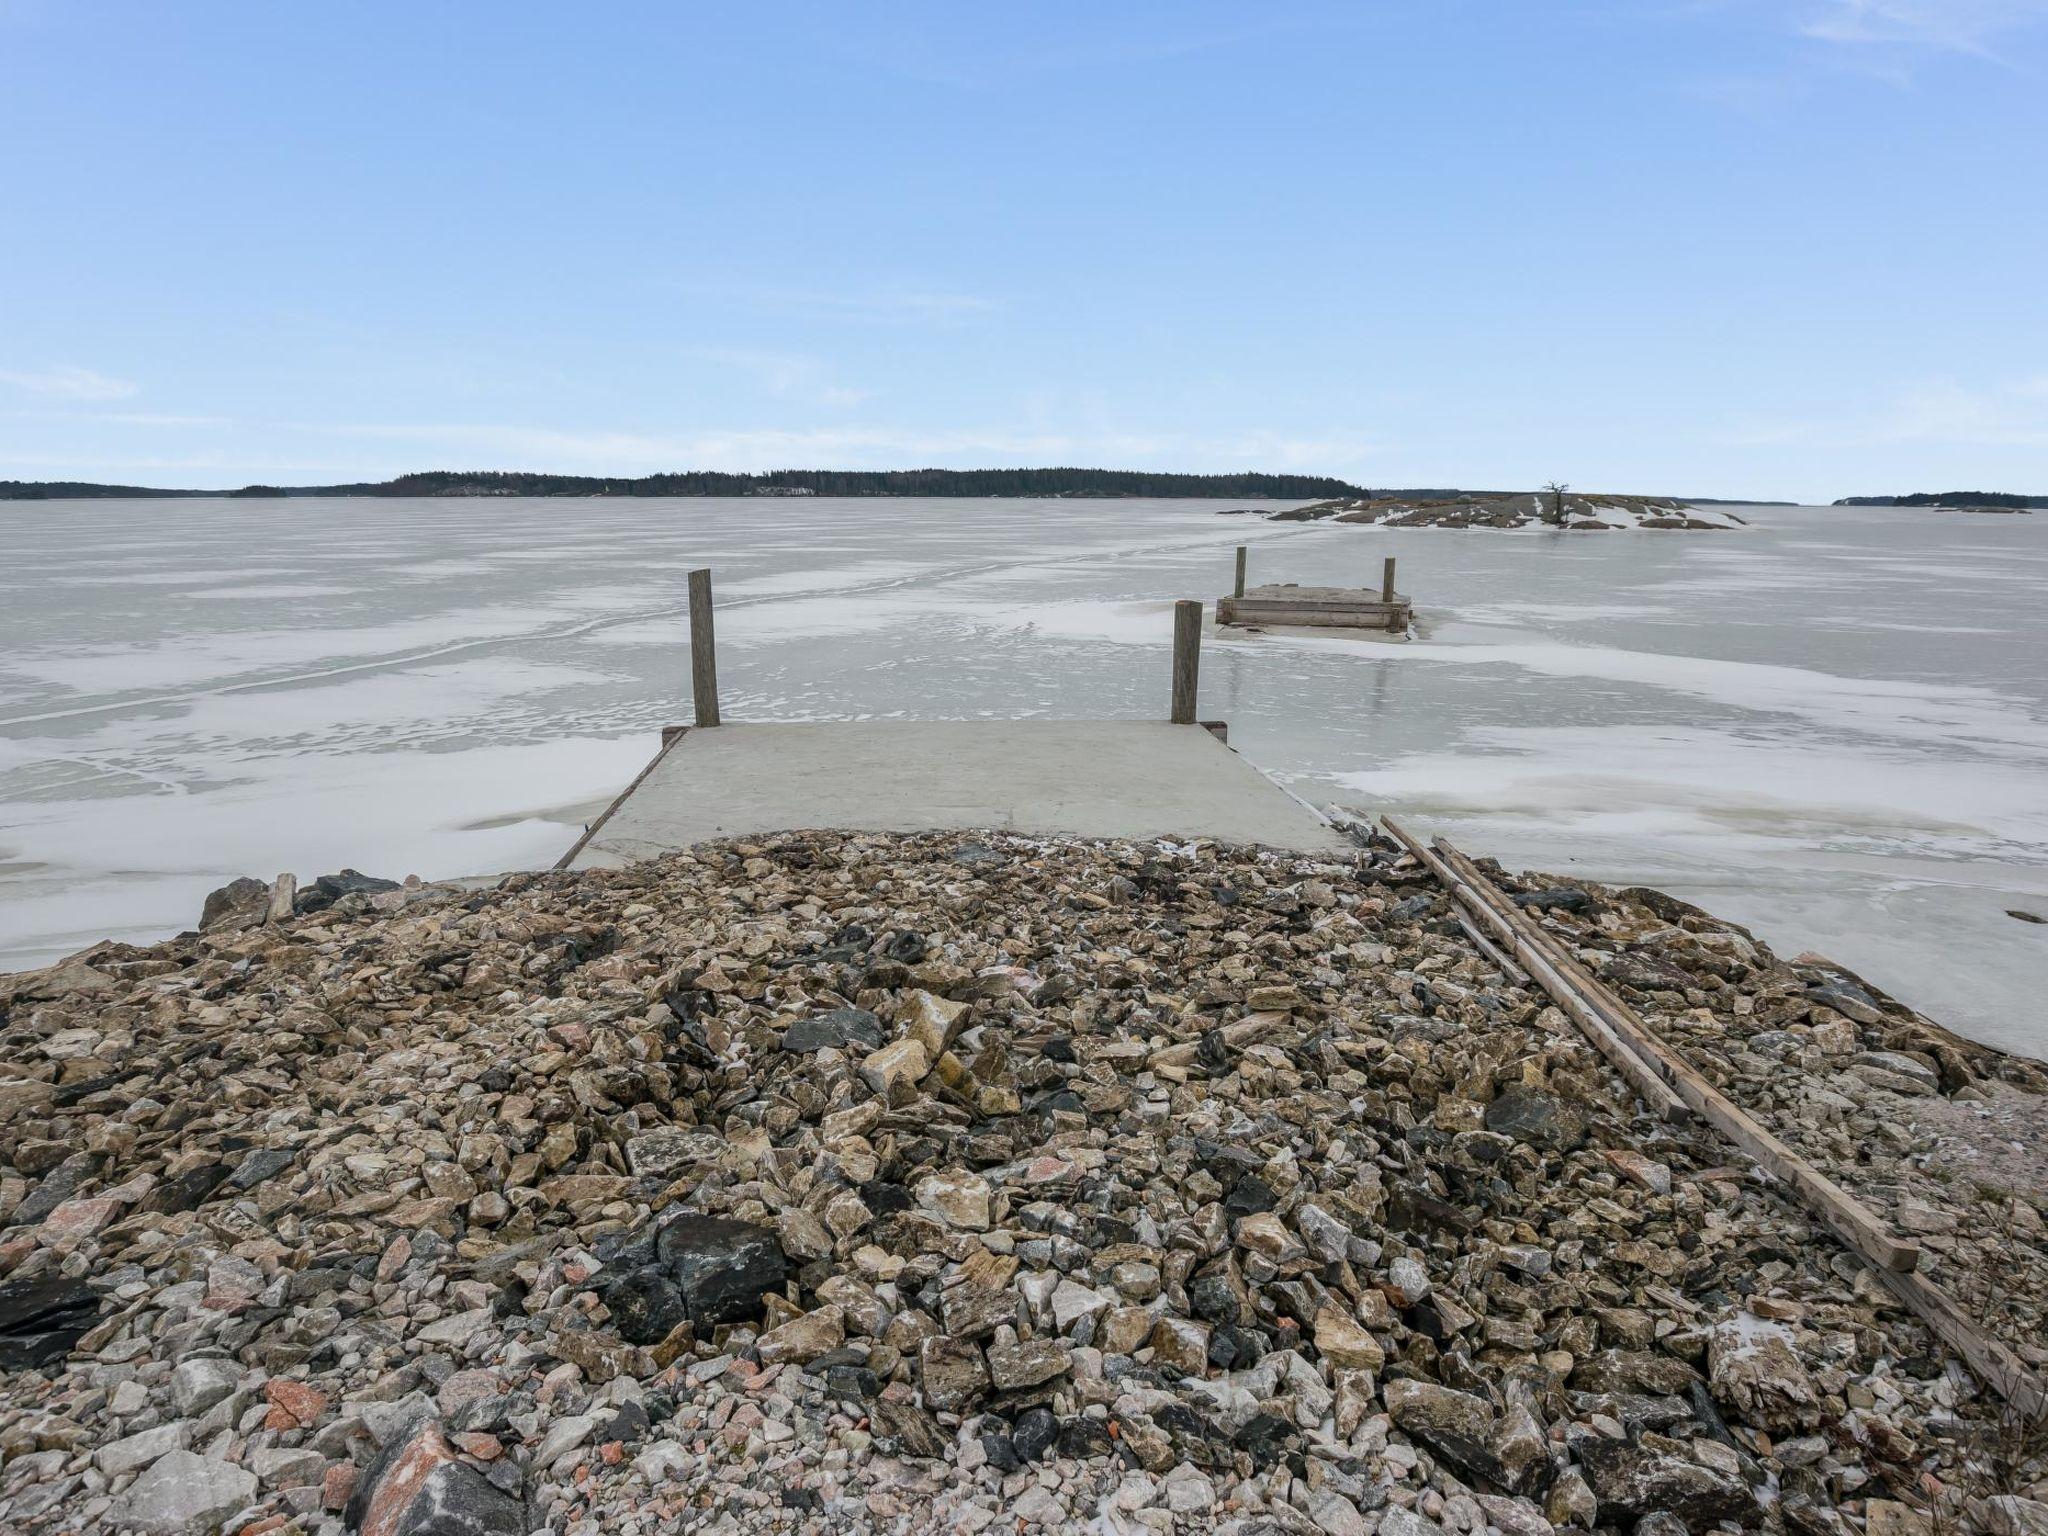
{"x": 1831, "y": 725}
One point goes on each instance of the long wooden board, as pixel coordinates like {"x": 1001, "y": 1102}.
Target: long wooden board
{"x": 1990, "y": 1359}
{"x": 1997, "y": 1364}
{"x": 1648, "y": 1085}
{"x": 1855, "y": 1223}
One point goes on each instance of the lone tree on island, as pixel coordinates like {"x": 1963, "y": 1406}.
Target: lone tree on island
{"x": 1556, "y": 490}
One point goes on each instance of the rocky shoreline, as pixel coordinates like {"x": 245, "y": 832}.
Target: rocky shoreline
{"x": 839, "y": 1182}
{"x": 1570, "y": 513}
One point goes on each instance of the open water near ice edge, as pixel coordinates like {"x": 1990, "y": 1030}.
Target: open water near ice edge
{"x": 1831, "y": 725}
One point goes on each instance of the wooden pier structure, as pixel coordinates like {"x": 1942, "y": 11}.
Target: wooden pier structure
{"x": 1288, "y": 605}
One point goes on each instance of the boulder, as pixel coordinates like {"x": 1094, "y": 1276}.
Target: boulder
{"x": 1658, "y": 1475}
{"x": 242, "y": 903}
{"x": 841, "y": 1029}
{"x": 185, "y": 1494}
{"x": 41, "y": 1319}
{"x": 417, "y": 1487}
{"x": 1536, "y": 1116}
{"x": 1753, "y": 1372}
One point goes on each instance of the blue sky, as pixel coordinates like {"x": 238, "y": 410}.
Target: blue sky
{"x": 1739, "y": 247}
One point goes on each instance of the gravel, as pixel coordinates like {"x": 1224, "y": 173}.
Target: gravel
{"x": 837, "y": 1182}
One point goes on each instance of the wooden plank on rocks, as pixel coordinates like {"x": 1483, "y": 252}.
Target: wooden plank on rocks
{"x": 1653, "y": 1091}
{"x": 1990, "y": 1359}
{"x": 1851, "y": 1220}
{"x": 1893, "y": 1258}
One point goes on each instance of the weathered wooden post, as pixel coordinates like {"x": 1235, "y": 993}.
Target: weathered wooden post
{"x": 1187, "y": 659}
{"x": 703, "y": 650}
{"x": 1238, "y": 590}
{"x": 1387, "y": 581}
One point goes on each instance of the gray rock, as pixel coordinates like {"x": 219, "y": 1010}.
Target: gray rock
{"x": 1850, "y": 1002}
{"x": 184, "y": 1494}
{"x": 197, "y": 1384}
{"x": 1456, "y": 1425}
{"x": 139, "y": 1450}
{"x": 1540, "y": 1118}
{"x": 1013, "y": 1366}
{"x": 241, "y": 903}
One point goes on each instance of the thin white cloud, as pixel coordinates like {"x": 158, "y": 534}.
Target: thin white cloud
{"x": 879, "y": 306}
{"x": 1947, "y": 26}
{"x": 783, "y": 374}
{"x": 2012, "y": 415}
{"x": 122, "y": 418}
{"x": 67, "y": 383}
{"x": 892, "y": 306}
{"x": 2009, "y": 414}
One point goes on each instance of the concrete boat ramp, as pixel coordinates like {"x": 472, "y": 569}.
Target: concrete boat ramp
{"x": 1075, "y": 778}
{"x": 1079, "y": 778}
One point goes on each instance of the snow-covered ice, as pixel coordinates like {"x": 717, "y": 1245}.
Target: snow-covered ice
{"x": 1831, "y": 724}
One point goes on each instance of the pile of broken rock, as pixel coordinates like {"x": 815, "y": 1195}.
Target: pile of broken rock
{"x": 845, "y": 1182}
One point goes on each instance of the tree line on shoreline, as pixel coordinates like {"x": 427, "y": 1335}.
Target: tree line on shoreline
{"x": 1059, "y": 482}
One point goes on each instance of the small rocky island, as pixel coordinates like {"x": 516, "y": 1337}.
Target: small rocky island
{"x": 1571, "y": 511}
{"x": 863, "y": 1183}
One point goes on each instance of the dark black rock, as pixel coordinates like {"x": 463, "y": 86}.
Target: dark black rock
{"x": 1055, "y": 990}
{"x": 805, "y": 1499}
{"x": 328, "y": 889}
{"x": 1410, "y": 1209}
{"x": 1657, "y": 1474}
{"x": 836, "y": 1031}
{"x": 906, "y": 948}
{"x": 646, "y": 1305}
{"x": 884, "y": 1198}
{"x": 1213, "y": 1298}
{"x": 720, "y": 1266}
{"x": 1264, "y": 1436}
{"x": 1561, "y": 899}
{"x": 263, "y": 1163}
{"x": 1058, "y": 1048}
{"x": 1539, "y": 1118}
{"x": 627, "y": 1425}
{"x": 41, "y": 1319}
{"x": 1001, "y": 1452}
{"x": 1034, "y": 1433}
{"x": 851, "y": 1383}
{"x": 1248, "y": 1196}
{"x": 1082, "y": 1437}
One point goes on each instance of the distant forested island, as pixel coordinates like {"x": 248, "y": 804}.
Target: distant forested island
{"x": 791, "y": 482}
{"x": 1948, "y": 499}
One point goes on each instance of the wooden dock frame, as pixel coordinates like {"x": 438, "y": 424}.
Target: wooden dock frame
{"x": 1287, "y": 605}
